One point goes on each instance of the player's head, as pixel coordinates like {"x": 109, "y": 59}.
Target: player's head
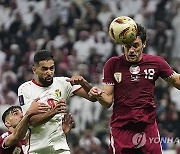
{"x": 12, "y": 116}
{"x": 44, "y": 67}
{"x": 133, "y": 52}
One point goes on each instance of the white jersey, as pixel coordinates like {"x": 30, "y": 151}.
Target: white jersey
{"x": 50, "y": 133}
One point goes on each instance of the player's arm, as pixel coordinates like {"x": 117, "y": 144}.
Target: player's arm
{"x": 21, "y": 129}
{"x": 174, "y": 80}
{"x": 83, "y": 92}
{"x": 104, "y": 96}
{"x": 39, "y": 119}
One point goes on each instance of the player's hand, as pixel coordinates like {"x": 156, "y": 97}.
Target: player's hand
{"x": 37, "y": 107}
{"x": 60, "y": 107}
{"x": 95, "y": 92}
{"x": 67, "y": 123}
{"x": 76, "y": 80}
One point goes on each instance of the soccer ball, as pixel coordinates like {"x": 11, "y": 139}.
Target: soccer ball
{"x": 123, "y": 30}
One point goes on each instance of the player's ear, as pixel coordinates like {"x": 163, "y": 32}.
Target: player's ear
{"x": 34, "y": 69}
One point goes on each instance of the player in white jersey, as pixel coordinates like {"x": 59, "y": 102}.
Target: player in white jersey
{"x": 46, "y": 134}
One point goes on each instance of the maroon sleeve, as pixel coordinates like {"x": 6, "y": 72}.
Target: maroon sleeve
{"x": 165, "y": 70}
{"x": 108, "y": 74}
{"x": 1, "y": 142}
{"x": 2, "y": 137}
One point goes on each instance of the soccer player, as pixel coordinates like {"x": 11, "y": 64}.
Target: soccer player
{"x": 45, "y": 135}
{"x": 129, "y": 82}
{"x": 12, "y": 140}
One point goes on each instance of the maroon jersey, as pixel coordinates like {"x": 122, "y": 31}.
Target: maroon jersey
{"x": 134, "y": 87}
{"x": 14, "y": 149}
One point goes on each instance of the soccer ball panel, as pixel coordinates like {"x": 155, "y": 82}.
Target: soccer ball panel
{"x": 123, "y": 30}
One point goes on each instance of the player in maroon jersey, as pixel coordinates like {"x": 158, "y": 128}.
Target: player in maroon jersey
{"x": 17, "y": 124}
{"x": 129, "y": 82}
{"x": 13, "y": 141}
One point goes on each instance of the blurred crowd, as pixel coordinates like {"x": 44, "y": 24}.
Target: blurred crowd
{"x": 76, "y": 31}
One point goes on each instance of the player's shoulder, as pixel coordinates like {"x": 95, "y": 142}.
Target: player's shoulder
{"x": 152, "y": 57}
{"x": 115, "y": 59}
{"x": 25, "y": 84}
{"x": 62, "y": 78}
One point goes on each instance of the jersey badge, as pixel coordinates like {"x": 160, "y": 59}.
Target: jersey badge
{"x": 118, "y": 76}
{"x": 57, "y": 93}
{"x": 21, "y": 100}
{"x": 134, "y": 70}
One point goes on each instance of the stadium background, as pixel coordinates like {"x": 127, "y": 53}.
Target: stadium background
{"x": 76, "y": 32}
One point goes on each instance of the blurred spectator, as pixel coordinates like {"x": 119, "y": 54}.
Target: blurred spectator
{"x": 14, "y": 58}
{"x": 90, "y": 143}
{"x": 82, "y": 46}
{"x": 176, "y": 27}
{"x": 160, "y": 38}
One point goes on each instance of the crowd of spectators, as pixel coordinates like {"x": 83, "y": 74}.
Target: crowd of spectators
{"x": 76, "y": 31}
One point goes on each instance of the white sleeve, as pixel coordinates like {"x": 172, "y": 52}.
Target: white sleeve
{"x": 69, "y": 88}
{"x": 24, "y": 99}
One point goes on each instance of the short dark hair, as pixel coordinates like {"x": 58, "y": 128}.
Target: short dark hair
{"x": 141, "y": 32}
{"x": 42, "y": 55}
{"x": 8, "y": 111}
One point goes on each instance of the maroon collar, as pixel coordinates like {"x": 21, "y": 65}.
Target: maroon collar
{"x": 38, "y": 84}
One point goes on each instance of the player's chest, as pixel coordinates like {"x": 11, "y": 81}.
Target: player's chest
{"x": 135, "y": 74}
{"x": 55, "y": 92}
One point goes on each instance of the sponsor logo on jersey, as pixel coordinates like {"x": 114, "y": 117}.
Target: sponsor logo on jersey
{"x": 118, "y": 76}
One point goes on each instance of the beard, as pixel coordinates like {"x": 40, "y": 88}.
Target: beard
{"x": 44, "y": 82}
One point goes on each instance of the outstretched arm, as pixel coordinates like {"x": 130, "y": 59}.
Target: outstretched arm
{"x": 22, "y": 127}
{"x": 105, "y": 96}
{"x": 174, "y": 80}
{"x": 83, "y": 92}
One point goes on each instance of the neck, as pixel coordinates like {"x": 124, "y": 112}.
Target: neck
{"x": 139, "y": 58}
{"x": 36, "y": 79}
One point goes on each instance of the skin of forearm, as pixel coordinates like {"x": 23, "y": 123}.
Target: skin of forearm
{"x": 19, "y": 132}
{"x": 86, "y": 86}
{"x": 22, "y": 127}
{"x": 178, "y": 82}
{"x": 174, "y": 81}
{"x": 105, "y": 100}
{"x": 40, "y": 119}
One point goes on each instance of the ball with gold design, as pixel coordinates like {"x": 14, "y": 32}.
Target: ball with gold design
{"x": 123, "y": 30}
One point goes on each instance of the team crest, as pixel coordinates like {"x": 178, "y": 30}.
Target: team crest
{"x": 57, "y": 94}
{"x": 118, "y": 76}
{"x": 134, "y": 69}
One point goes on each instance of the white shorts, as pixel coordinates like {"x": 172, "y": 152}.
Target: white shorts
{"x": 50, "y": 150}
